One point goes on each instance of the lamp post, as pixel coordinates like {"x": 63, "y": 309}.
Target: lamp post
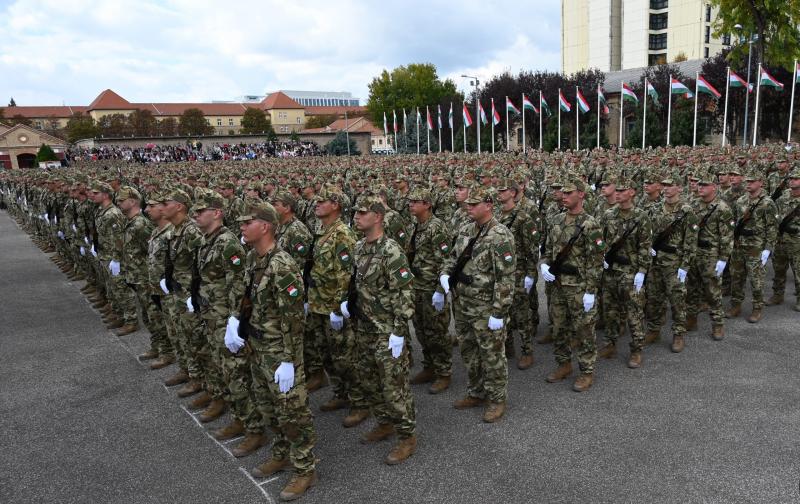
{"x": 750, "y": 40}
{"x": 475, "y": 82}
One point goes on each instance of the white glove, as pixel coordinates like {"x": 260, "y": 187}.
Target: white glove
{"x": 113, "y": 267}
{"x": 94, "y": 252}
{"x": 605, "y": 265}
{"x": 242, "y": 240}
{"x": 396, "y": 345}
{"x": 545, "y": 270}
{"x": 588, "y": 301}
{"x": 653, "y": 252}
{"x": 47, "y": 217}
{"x": 232, "y": 339}
{"x": 74, "y": 229}
{"x": 336, "y": 322}
{"x": 528, "y": 282}
{"x": 638, "y": 281}
{"x": 720, "y": 267}
{"x": 83, "y": 251}
{"x": 344, "y": 310}
{"x": 495, "y": 324}
{"x": 305, "y": 308}
{"x": 594, "y": 187}
{"x": 163, "y": 284}
{"x": 764, "y": 257}
{"x": 60, "y": 234}
{"x": 284, "y": 377}
{"x": 55, "y": 219}
{"x": 86, "y": 240}
{"x": 189, "y": 305}
{"x": 682, "y": 275}
{"x": 438, "y": 301}
{"x": 444, "y": 282}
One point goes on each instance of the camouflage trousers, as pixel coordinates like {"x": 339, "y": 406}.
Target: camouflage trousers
{"x": 482, "y": 351}
{"x": 384, "y": 381}
{"x": 169, "y": 310}
{"x": 746, "y": 263}
{"x": 186, "y": 333}
{"x": 786, "y": 255}
{"x": 703, "y": 285}
{"x": 623, "y": 304}
{"x": 287, "y": 415}
{"x": 333, "y": 351}
{"x": 153, "y": 318}
{"x": 571, "y": 321}
{"x": 230, "y": 378}
{"x": 520, "y": 321}
{"x": 431, "y": 328}
{"x": 121, "y": 296}
{"x": 663, "y": 286}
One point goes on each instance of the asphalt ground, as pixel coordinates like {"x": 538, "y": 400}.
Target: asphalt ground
{"x": 83, "y": 421}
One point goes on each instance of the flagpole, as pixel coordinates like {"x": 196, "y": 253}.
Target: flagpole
{"x": 439, "y": 123}
{"x": 523, "y": 123}
{"x": 478, "y": 118}
{"x": 621, "y": 106}
{"x": 451, "y": 121}
{"x": 464, "y": 123}
{"x": 417, "y": 122}
{"x": 758, "y": 97}
{"x": 577, "y": 121}
{"x": 394, "y": 130}
{"x": 669, "y": 109}
{"x": 540, "y": 120}
{"x": 405, "y": 130}
{"x": 791, "y": 105}
{"x": 492, "y": 125}
{"x": 427, "y": 127}
{"x": 598, "y": 117}
{"x": 696, "y": 99}
{"x": 508, "y": 145}
{"x": 559, "y": 120}
{"x": 644, "y": 118}
{"x": 725, "y": 114}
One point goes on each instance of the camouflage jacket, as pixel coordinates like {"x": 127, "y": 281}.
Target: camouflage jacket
{"x": 786, "y": 205}
{"x": 383, "y": 282}
{"x": 526, "y": 240}
{"x": 444, "y": 204}
{"x": 777, "y": 184}
{"x": 759, "y": 229}
{"x": 333, "y": 262}
{"x": 234, "y": 207}
{"x": 156, "y": 251}
{"x": 675, "y": 226}
{"x": 220, "y": 261}
{"x": 429, "y": 247}
{"x": 585, "y": 260}
{"x": 634, "y": 254}
{"x": 134, "y": 250}
{"x": 397, "y": 228}
{"x": 715, "y": 234}
{"x": 186, "y": 239}
{"x": 295, "y": 238}
{"x": 110, "y": 231}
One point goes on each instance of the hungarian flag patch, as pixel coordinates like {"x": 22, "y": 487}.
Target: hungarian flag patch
{"x": 236, "y": 261}
{"x": 444, "y": 247}
{"x": 292, "y": 291}
{"x": 300, "y": 248}
{"x": 508, "y": 257}
{"x": 344, "y": 256}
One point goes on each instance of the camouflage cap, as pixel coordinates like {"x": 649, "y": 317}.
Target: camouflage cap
{"x": 794, "y": 174}
{"x": 180, "y": 196}
{"x": 608, "y": 179}
{"x": 420, "y": 194}
{"x": 260, "y": 211}
{"x": 286, "y": 197}
{"x": 573, "y": 184}
{"x": 101, "y": 187}
{"x": 506, "y": 183}
{"x": 330, "y": 192}
{"x": 672, "y": 177}
{"x": 734, "y": 170}
{"x": 370, "y": 203}
{"x": 226, "y": 184}
{"x": 127, "y": 192}
{"x": 705, "y": 177}
{"x": 155, "y": 198}
{"x": 754, "y": 174}
{"x": 481, "y": 194}
{"x": 209, "y": 199}
{"x": 624, "y": 183}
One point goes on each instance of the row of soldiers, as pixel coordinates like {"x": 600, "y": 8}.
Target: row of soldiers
{"x": 265, "y": 296}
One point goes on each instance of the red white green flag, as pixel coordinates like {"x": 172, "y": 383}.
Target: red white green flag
{"x": 768, "y": 80}
{"x": 495, "y": 115}
{"x": 546, "y": 107}
{"x": 603, "y": 101}
{"x": 510, "y": 106}
{"x": 429, "y": 118}
{"x": 737, "y": 82}
{"x": 394, "y": 118}
{"x": 484, "y": 119}
{"x": 583, "y": 105}
{"x": 703, "y": 86}
{"x": 563, "y": 104}
{"x": 797, "y": 72}
{"x": 628, "y": 94}
{"x": 467, "y": 117}
{"x": 678, "y": 87}
{"x": 527, "y": 104}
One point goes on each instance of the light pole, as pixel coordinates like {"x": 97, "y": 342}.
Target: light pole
{"x": 475, "y": 82}
{"x": 750, "y": 40}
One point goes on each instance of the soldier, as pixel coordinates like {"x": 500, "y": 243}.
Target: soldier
{"x": 156, "y": 249}
{"x": 674, "y": 243}
{"x": 234, "y": 206}
{"x": 754, "y": 236}
{"x": 270, "y": 322}
{"x": 482, "y": 269}
{"x": 429, "y": 246}
{"x": 714, "y": 244}
{"x": 381, "y": 303}
{"x": 787, "y": 250}
{"x": 628, "y": 233}
{"x": 292, "y": 235}
{"x": 573, "y": 261}
{"x": 444, "y": 203}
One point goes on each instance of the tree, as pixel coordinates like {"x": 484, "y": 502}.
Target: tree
{"x": 320, "y": 121}
{"x": 2, "y": 114}
{"x": 294, "y": 137}
{"x": 142, "y": 122}
{"x": 114, "y": 126}
{"x": 255, "y": 121}
{"x": 167, "y": 127}
{"x": 408, "y": 87}
{"x": 80, "y": 126}
{"x": 407, "y": 143}
{"x": 193, "y": 122}
{"x": 12, "y": 103}
{"x": 19, "y": 119}
{"x": 338, "y": 146}
{"x": 774, "y": 22}
{"x": 45, "y": 154}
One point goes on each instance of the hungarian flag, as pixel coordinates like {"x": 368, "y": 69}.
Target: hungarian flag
{"x": 678, "y": 87}
{"x": 628, "y": 94}
{"x": 797, "y": 72}
{"x": 768, "y": 80}
{"x": 563, "y": 104}
{"x": 495, "y": 115}
{"x": 385, "y": 126}
{"x": 405, "y": 120}
{"x": 419, "y": 117}
{"x": 546, "y": 107}
{"x": 484, "y": 119}
{"x": 527, "y": 105}
{"x": 583, "y": 105}
{"x": 439, "y": 117}
{"x": 737, "y": 82}
{"x": 703, "y": 86}
{"x": 428, "y": 118}
{"x": 450, "y": 116}
{"x": 394, "y": 118}
{"x": 510, "y": 106}
{"x": 467, "y": 117}
{"x": 603, "y": 101}
{"x": 651, "y": 91}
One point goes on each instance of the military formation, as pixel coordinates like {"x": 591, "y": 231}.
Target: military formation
{"x": 261, "y": 282}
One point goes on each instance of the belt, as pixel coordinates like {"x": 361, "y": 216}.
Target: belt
{"x": 668, "y": 249}
{"x": 704, "y": 244}
{"x": 747, "y": 232}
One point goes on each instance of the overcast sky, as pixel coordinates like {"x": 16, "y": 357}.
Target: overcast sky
{"x": 67, "y": 51}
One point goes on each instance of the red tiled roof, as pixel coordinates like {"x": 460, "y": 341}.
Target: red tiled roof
{"x": 42, "y": 112}
{"x": 356, "y": 125}
{"x": 334, "y": 110}
{"x": 209, "y": 109}
{"x": 279, "y": 100}
{"x": 109, "y": 100}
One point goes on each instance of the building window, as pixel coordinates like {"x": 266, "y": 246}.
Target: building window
{"x": 299, "y": 120}
{"x": 658, "y": 21}
{"x": 658, "y": 41}
{"x": 37, "y": 124}
{"x": 726, "y": 39}
{"x": 708, "y": 13}
{"x": 659, "y": 4}
{"x": 230, "y": 121}
{"x": 706, "y": 52}
{"x": 219, "y": 121}
{"x": 208, "y": 122}
{"x": 708, "y": 34}
{"x": 657, "y": 59}
{"x": 380, "y": 141}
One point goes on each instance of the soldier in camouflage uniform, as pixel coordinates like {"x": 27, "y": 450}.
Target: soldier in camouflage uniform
{"x": 429, "y": 246}
{"x": 628, "y": 233}
{"x": 274, "y": 347}
{"x": 574, "y": 251}
{"x": 754, "y": 239}
{"x": 293, "y": 236}
{"x": 787, "y": 250}
{"x": 444, "y": 201}
{"x": 483, "y": 290}
{"x": 234, "y": 206}
{"x": 674, "y": 244}
{"x": 156, "y": 249}
{"x": 714, "y": 244}
{"x": 380, "y": 307}
{"x": 526, "y": 250}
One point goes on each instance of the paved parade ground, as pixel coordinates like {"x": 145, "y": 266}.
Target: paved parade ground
{"x": 83, "y": 421}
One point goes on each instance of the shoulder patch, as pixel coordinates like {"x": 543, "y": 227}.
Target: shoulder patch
{"x": 289, "y": 286}
{"x": 505, "y": 251}
{"x": 343, "y": 254}
{"x": 442, "y": 242}
{"x": 300, "y": 248}
{"x": 403, "y": 275}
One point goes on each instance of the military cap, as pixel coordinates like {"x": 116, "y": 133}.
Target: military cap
{"x": 420, "y": 194}
{"x": 608, "y": 178}
{"x": 208, "y": 199}
{"x": 507, "y": 183}
{"x": 330, "y": 192}
{"x": 624, "y": 183}
{"x": 155, "y": 198}
{"x": 260, "y": 211}
{"x": 481, "y": 194}
{"x": 254, "y": 186}
{"x": 101, "y": 187}
{"x": 226, "y": 184}
{"x": 734, "y": 170}
{"x": 794, "y": 174}
{"x": 370, "y": 203}
{"x": 573, "y": 184}
{"x": 754, "y": 174}
{"x": 127, "y": 192}
{"x": 672, "y": 177}
{"x": 705, "y": 177}
{"x": 285, "y": 197}
{"x": 180, "y": 196}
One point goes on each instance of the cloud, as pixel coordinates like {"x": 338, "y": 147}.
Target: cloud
{"x": 56, "y": 51}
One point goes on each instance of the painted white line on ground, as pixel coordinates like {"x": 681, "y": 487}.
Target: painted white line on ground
{"x": 247, "y": 473}
{"x": 269, "y": 480}
{"x": 224, "y": 448}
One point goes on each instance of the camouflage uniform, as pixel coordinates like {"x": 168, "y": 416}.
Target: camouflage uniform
{"x": 156, "y": 249}
{"x": 787, "y": 250}
{"x": 134, "y": 267}
{"x": 295, "y": 238}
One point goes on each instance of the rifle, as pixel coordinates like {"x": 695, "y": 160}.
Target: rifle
{"x": 611, "y": 256}
{"x": 663, "y": 237}
{"x": 194, "y": 286}
{"x": 413, "y": 252}
{"x": 352, "y": 295}
{"x": 701, "y": 225}
{"x": 737, "y": 231}
{"x": 456, "y": 274}
{"x": 784, "y": 225}
{"x": 169, "y": 270}
{"x": 309, "y": 264}
{"x": 557, "y": 267}
{"x": 778, "y": 190}
{"x": 246, "y": 306}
